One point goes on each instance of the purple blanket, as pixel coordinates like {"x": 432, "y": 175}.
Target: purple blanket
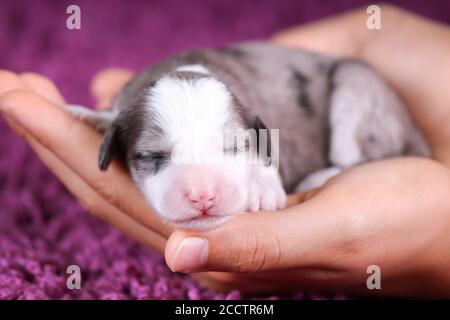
{"x": 42, "y": 228}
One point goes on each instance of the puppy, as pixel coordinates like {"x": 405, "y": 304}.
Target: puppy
{"x": 211, "y": 133}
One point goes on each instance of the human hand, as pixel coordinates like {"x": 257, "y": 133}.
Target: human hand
{"x": 392, "y": 213}
{"x": 32, "y": 106}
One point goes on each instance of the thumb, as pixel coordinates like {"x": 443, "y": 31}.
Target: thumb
{"x": 294, "y": 237}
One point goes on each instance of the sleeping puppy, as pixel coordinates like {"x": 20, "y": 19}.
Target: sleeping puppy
{"x": 211, "y": 133}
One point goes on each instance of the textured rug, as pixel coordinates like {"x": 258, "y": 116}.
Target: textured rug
{"x": 42, "y": 228}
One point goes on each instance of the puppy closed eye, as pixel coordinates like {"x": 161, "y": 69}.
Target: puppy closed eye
{"x": 150, "y": 155}
{"x": 156, "y": 158}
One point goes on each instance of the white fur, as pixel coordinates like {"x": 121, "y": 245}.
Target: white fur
{"x": 360, "y": 107}
{"x": 345, "y": 117}
{"x": 193, "y": 114}
{"x": 266, "y": 191}
{"x": 193, "y": 68}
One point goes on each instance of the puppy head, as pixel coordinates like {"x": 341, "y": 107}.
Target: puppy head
{"x": 174, "y": 140}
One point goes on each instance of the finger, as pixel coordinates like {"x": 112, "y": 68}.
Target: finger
{"x": 43, "y": 86}
{"x": 90, "y": 200}
{"x": 107, "y": 83}
{"x": 279, "y": 281}
{"x": 76, "y": 145}
{"x": 10, "y": 81}
{"x": 78, "y": 187}
{"x": 225, "y": 281}
{"x": 301, "y": 236}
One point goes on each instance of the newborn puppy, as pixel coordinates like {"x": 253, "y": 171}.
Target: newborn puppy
{"x": 211, "y": 133}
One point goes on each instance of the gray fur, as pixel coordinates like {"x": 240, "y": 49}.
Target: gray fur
{"x": 296, "y": 91}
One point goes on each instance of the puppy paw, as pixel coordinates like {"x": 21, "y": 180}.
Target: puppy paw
{"x": 266, "y": 193}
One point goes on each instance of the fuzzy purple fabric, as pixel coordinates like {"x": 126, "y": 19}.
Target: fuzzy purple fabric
{"x": 42, "y": 228}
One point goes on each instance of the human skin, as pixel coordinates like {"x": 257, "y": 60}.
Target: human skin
{"x": 393, "y": 213}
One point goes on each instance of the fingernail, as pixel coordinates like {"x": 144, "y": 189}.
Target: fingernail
{"x": 190, "y": 255}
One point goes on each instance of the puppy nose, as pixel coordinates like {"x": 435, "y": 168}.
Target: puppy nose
{"x": 203, "y": 199}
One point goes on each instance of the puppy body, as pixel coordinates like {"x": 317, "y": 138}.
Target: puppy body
{"x": 331, "y": 114}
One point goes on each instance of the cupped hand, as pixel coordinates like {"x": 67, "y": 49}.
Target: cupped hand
{"x": 33, "y": 107}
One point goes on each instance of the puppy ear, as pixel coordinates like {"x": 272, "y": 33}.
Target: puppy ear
{"x": 109, "y": 147}
{"x": 113, "y": 140}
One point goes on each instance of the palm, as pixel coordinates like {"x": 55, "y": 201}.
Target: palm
{"x": 371, "y": 210}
